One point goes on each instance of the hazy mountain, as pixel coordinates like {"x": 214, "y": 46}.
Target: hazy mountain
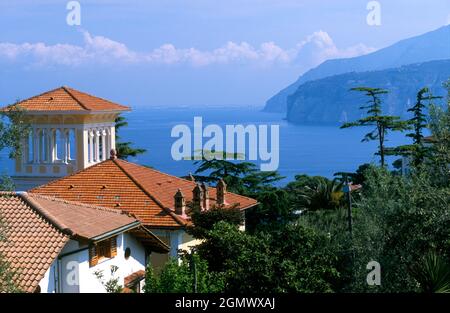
{"x": 328, "y": 100}
{"x": 434, "y": 45}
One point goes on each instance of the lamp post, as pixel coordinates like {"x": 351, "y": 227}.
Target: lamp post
{"x": 347, "y": 189}
{"x": 193, "y": 267}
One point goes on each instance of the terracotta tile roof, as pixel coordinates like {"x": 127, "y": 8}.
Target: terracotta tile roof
{"x": 131, "y": 279}
{"x": 38, "y": 227}
{"x": 68, "y": 99}
{"x": 354, "y": 187}
{"x": 82, "y": 220}
{"x": 33, "y": 242}
{"x": 136, "y": 189}
{"x": 429, "y": 139}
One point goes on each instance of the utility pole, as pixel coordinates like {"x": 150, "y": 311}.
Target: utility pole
{"x": 348, "y": 190}
{"x": 193, "y": 266}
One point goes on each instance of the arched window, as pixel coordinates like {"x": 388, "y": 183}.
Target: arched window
{"x": 41, "y": 145}
{"x": 59, "y": 149}
{"x": 30, "y": 143}
{"x": 72, "y": 144}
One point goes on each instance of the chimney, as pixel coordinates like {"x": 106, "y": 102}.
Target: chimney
{"x": 113, "y": 154}
{"x": 205, "y": 197}
{"x": 221, "y": 192}
{"x": 197, "y": 197}
{"x": 180, "y": 203}
{"x": 191, "y": 177}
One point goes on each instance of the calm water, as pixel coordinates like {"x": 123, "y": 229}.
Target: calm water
{"x": 313, "y": 150}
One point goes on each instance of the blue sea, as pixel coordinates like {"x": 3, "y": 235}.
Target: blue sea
{"x": 303, "y": 149}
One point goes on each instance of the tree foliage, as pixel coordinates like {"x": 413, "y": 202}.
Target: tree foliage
{"x": 433, "y": 274}
{"x": 246, "y": 179}
{"x": 125, "y": 149}
{"x": 13, "y": 128}
{"x": 112, "y": 284}
{"x": 240, "y": 177}
{"x": 439, "y": 159}
{"x": 402, "y": 219}
{"x": 315, "y": 193}
{"x": 179, "y": 277}
{"x": 294, "y": 259}
{"x": 375, "y": 117}
{"x": 204, "y": 221}
{"x": 419, "y": 122}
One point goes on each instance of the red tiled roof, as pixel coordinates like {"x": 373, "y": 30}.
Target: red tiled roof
{"x": 82, "y": 220}
{"x": 38, "y": 227}
{"x": 33, "y": 242}
{"x": 142, "y": 191}
{"x": 68, "y": 99}
{"x": 355, "y": 187}
{"x": 133, "y": 278}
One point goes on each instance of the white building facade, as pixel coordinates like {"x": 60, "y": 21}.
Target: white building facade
{"x": 71, "y": 272}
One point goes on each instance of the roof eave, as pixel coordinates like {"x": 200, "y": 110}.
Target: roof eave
{"x": 115, "y": 232}
{"x": 73, "y": 112}
{"x": 249, "y": 206}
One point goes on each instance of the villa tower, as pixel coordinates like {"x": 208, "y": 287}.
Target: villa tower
{"x": 70, "y": 131}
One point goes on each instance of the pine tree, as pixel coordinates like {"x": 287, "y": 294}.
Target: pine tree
{"x": 124, "y": 149}
{"x": 417, "y": 150}
{"x": 375, "y": 117}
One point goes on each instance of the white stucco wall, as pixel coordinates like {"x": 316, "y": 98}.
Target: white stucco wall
{"x": 173, "y": 238}
{"x": 176, "y": 239}
{"x": 47, "y": 283}
{"x": 77, "y": 266}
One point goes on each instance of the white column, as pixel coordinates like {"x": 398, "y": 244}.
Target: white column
{"x": 85, "y": 147}
{"x": 104, "y": 151}
{"x": 112, "y": 139}
{"x": 43, "y": 146}
{"x": 68, "y": 144}
{"x": 35, "y": 145}
{"x": 53, "y": 145}
{"x": 108, "y": 142}
{"x": 91, "y": 146}
{"x": 97, "y": 145}
{"x": 39, "y": 156}
{"x": 48, "y": 146}
{"x": 63, "y": 135}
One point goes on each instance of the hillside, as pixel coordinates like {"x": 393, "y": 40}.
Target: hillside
{"x": 328, "y": 100}
{"x": 434, "y": 45}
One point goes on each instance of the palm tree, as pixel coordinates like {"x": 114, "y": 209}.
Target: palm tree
{"x": 325, "y": 194}
{"x": 433, "y": 274}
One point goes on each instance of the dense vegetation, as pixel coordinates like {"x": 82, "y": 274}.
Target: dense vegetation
{"x": 430, "y": 46}
{"x": 301, "y": 239}
{"x": 309, "y": 104}
{"x": 305, "y": 237}
{"x": 12, "y": 127}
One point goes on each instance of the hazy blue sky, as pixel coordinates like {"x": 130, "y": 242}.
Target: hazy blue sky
{"x": 192, "y": 52}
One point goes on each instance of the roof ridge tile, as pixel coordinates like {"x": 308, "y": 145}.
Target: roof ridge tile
{"x": 45, "y": 214}
{"x": 82, "y": 204}
{"x": 68, "y": 99}
{"x": 90, "y": 95}
{"x": 74, "y": 98}
{"x": 172, "y": 213}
